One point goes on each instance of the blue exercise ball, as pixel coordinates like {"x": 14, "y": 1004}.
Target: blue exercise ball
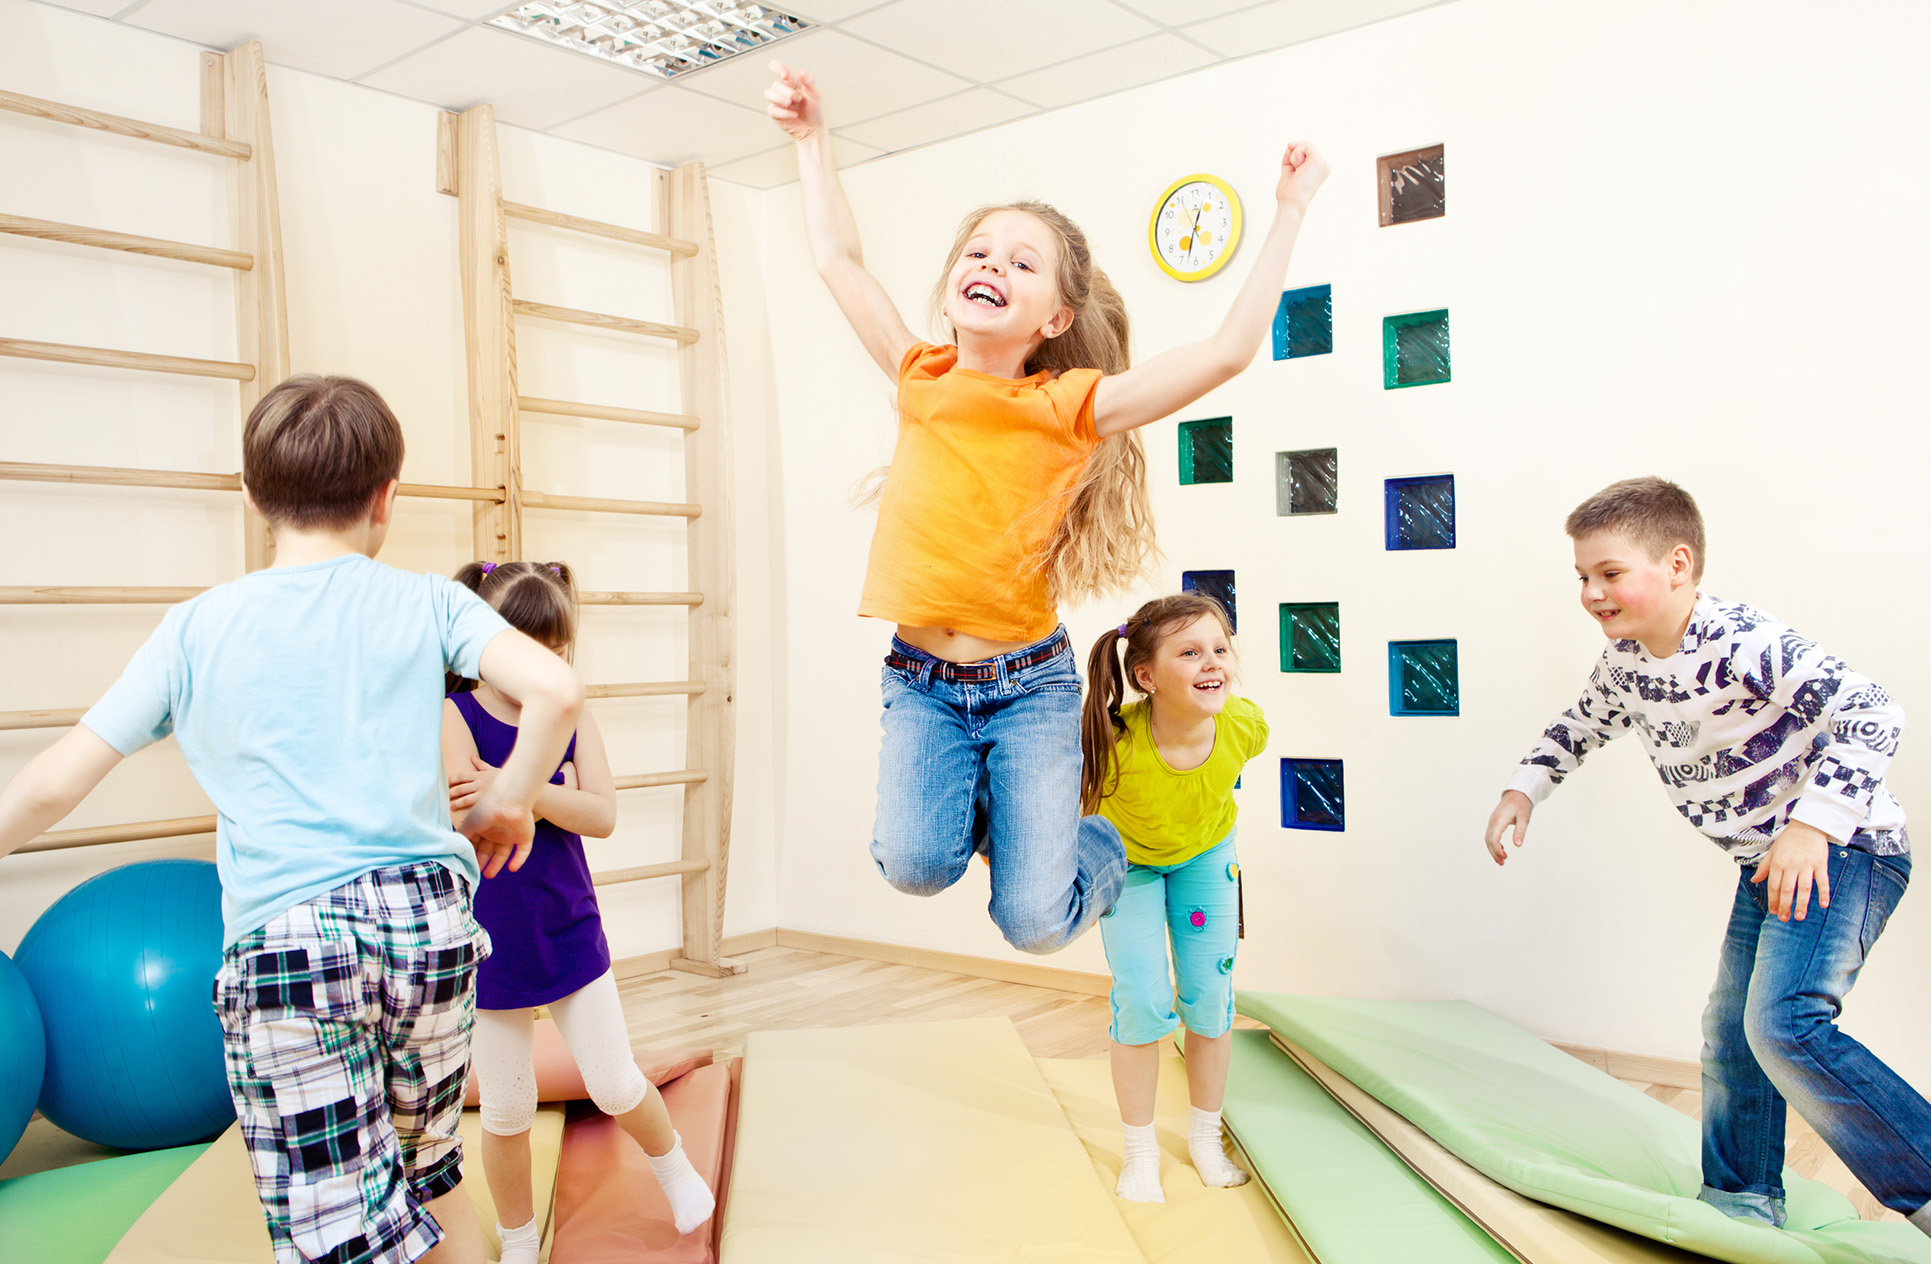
{"x": 124, "y": 969}
{"x": 23, "y": 1055}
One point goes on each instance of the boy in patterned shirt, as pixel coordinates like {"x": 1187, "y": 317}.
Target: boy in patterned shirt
{"x": 1775, "y": 750}
{"x": 308, "y": 700}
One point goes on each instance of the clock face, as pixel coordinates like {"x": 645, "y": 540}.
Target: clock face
{"x": 1195, "y": 228}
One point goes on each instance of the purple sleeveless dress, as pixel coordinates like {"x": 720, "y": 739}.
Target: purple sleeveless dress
{"x": 542, "y": 919}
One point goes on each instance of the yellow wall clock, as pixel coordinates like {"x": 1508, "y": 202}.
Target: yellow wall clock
{"x": 1195, "y": 227}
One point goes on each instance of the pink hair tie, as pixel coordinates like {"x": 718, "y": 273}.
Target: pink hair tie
{"x": 488, "y": 567}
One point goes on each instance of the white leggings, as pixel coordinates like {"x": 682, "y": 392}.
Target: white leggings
{"x": 591, "y": 1020}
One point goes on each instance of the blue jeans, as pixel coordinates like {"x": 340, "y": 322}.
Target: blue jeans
{"x": 994, "y": 765}
{"x": 1196, "y": 906}
{"x": 1770, "y": 1036}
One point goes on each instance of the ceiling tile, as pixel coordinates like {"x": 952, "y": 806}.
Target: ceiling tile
{"x": 780, "y": 166}
{"x": 474, "y": 9}
{"x": 824, "y": 10}
{"x": 858, "y": 80}
{"x": 1176, "y": 12}
{"x": 530, "y": 84}
{"x": 343, "y": 38}
{"x": 672, "y": 126}
{"x": 1287, "y": 22}
{"x": 993, "y": 39}
{"x": 99, "y": 8}
{"x": 1110, "y": 70}
{"x": 935, "y": 120}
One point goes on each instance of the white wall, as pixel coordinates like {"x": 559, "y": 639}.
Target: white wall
{"x": 1680, "y": 240}
{"x": 370, "y": 251}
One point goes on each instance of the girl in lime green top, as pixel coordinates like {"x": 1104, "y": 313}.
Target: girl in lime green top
{"x": 1163, "y": 769}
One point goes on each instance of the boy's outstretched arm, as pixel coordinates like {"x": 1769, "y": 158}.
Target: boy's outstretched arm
{"x": 501, "y": 824}
{"x": 52, "y": 783}
{"x": 829, "y": 225}
{"x": 1173, "y": 379}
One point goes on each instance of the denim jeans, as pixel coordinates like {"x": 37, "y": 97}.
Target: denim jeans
{"x": 1770, "y": 1036}
{"x": 994, "y": 764}
{"x": 1195, "y": 906}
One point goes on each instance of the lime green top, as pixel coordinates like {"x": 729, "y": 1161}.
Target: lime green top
{"x": 1167, "y": 816}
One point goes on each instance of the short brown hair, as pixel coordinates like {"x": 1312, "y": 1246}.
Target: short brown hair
{"x": 317, "y": 449}
{"x": 1654, "y": 513}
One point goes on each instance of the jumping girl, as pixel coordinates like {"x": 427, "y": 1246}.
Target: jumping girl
{"x": 1017, "y": 483}
{"x": 1163, "y": 769}
{"x": 547, "y": 935}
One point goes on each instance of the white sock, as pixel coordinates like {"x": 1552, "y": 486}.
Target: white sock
{"x": 520, "y": 1246}
{"x": 1140, "y": 1174}
{"x": 1209, "y": 1155}
{"x": 691, "y": 1200}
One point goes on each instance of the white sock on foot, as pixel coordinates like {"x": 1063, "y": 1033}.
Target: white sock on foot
{"x": 691, "y": 1200}
{"x": 1140, "y": 1174}
{"x": 520, "y": 1246}
{"x": 1209, "y": 1155}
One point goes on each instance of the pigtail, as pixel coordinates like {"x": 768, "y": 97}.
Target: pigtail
{"x": 538, "y": 599}
{"x": 1100, "y": 722}
{"x": 471, "y": 575}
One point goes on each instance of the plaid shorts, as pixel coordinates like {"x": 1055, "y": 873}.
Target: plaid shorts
{"x": 346, "y": 1024}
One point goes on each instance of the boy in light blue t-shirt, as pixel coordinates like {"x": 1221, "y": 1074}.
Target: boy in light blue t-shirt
{"x": 308, "y": 701}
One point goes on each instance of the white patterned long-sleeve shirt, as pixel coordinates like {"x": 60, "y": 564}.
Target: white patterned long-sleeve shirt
{"x": 1750, "y": 726}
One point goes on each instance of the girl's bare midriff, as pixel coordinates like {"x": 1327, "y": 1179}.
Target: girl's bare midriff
{"x": 954, "y": 646}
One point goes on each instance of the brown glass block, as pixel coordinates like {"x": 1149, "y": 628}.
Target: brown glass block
{"x": 1412, "y": 186}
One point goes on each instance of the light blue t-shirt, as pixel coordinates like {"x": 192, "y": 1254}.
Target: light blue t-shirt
{"x": 309, "y": 702}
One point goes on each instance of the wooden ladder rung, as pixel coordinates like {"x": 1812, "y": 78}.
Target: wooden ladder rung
{"x": 108, "y": 357}
{"x": 604, "y": 412}
{"x": 668, "y": 869}
{"x": 442, "y": 491}
{"x": 679, "y": 334}
{"x": 138, "y": 831}
{"x": 103, "y": 239}
{"x": 639, "y": 599}
{"x": 95, "y": 596}
{"x": 41, "y": 718}
{"x": 120, "y": 476}
{"x": 645, "y": 689}
{"x": 682, "y": 777}
{"x": 599, "y": 504}
{"x": 105, "y": 122}
{"x": 678, "y": 248}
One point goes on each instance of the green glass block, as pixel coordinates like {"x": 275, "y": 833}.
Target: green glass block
{"x": 1207, "y": 451}
{"x": 1423, "y": 678}
{"x": 1310, "y": 636}
{"x": 1414, "y": 349}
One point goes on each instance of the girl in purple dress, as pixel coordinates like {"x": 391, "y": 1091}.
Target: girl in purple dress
{"x": 547, "y": 936}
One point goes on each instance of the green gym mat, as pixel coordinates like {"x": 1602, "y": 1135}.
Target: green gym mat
{"x": 1352, "y": 1200}
{"x": 1552, "y": 1128}
{"x": 75, "y": 1215}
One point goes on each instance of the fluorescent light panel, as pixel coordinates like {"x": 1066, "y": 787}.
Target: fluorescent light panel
{"x": 666, "y": 38}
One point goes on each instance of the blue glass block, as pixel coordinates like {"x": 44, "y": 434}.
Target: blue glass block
{"x": 1422, "y": 678}
{"x": 1414, "y": 349}
{"x": 1307, "y": 482}
{"x": 1207, "y": 451}
{"x": 1311, "y": 795}
{"x": 1311, "y": 636}
{"x": 1421, "y": 512}
{"x": 1216, "y": 584}
{"x": 1304, "y": 323}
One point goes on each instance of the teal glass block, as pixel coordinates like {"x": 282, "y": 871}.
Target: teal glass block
{"x": 1310, "y": 636}
{"x": 1420, "y": 512}
{"x": 1307, "y": 482}
{"x": 1304, "y": 323}
{"x": 1207, "y": 451}
{"x": 1216, "y": 584}
{"x": 1414, "y": 349}
{"x": 1312, "y": 795}
{"x": 1422, "y": 678}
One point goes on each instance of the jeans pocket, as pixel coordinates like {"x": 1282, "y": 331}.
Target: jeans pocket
{"x": 1887, "y": 888}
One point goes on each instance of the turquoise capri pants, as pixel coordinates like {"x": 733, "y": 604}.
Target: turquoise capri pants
{"x": 1196, "y": 905}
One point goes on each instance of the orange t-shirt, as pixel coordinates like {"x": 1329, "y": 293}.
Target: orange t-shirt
{"x": 977, "y": 484}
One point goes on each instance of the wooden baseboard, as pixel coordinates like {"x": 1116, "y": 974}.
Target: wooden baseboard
{"x": 660, "y": 961}
{"x": 1641, "y": 1067}
{"x": 1079, "y": 981}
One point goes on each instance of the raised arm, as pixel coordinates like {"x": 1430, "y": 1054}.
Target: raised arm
{"x": 52, "y": 783}
{"x": 1173, "y": 379}
{"x": 829, "y": 225}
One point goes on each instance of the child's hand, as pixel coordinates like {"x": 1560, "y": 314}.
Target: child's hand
{"x": 1302, "y": 171}
{"x": 794, "y": 102}
{"x": 466, "y": 787}
{"x": 501, "y": 832}
{"x": 1511, "y": 813}
{"x": 1798, "y": 860}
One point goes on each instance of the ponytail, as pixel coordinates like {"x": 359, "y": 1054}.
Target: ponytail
{"x": 1100, "y": 723}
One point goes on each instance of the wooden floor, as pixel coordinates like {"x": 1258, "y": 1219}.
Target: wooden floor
{"x": 789, "y": 987}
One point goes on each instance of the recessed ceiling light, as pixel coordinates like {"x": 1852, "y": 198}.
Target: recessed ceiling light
{"x": 666, "y": 38}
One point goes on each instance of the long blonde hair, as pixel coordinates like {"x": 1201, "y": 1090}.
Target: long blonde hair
{"x": 1102, "y": 538}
